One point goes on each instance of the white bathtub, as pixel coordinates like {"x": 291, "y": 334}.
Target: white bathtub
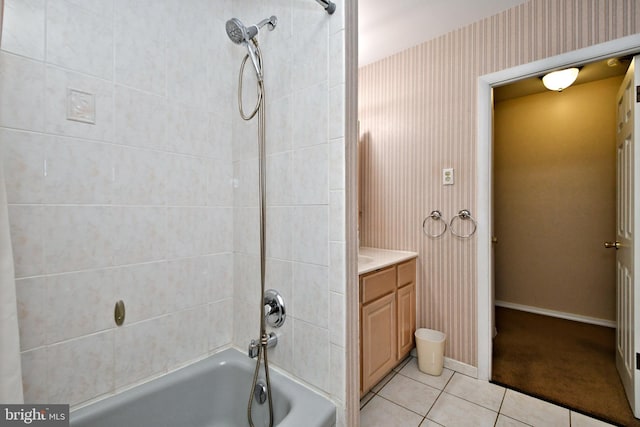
{"x": 212, "y": 393}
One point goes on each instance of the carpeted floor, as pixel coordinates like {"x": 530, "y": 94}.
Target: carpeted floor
{"x": 564, "y": 362}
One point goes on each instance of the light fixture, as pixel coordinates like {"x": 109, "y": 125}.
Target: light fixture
{"x": 559, "y": 80}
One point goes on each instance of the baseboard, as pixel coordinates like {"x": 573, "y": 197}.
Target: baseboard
{"x": 559, "y": 314}
{"x": 454, "y": 365}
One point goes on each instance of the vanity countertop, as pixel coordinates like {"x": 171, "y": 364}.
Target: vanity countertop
{"x": 371, "y": 259}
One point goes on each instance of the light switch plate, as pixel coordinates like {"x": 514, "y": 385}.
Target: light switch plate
{"x": 81, "y": 106}
{"x": 447, "y": 176}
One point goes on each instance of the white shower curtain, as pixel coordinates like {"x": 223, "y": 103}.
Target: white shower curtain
{"x": 10, "y": 366}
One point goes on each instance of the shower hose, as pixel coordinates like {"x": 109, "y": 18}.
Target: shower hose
{"x": 260, "y": 110}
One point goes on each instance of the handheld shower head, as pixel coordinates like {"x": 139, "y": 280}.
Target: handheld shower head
{"x": 239, "y": 34}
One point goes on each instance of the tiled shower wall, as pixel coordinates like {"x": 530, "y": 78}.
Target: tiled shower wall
{"x": 137, "y": 206}
{"x": 305, "y": 234}
{"x": 418, "y": 115}
{"x": 156, "y": 203}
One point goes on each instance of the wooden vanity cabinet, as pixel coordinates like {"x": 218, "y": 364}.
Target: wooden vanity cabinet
{"x": 387, "y": 320}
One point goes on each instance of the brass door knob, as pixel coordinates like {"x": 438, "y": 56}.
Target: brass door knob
{"x": 610, "y": 245}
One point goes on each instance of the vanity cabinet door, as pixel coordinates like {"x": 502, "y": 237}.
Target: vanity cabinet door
{"x": 379, "y": 339}
{"x": 406, "y": 283}
{"x": 406, "y": 319}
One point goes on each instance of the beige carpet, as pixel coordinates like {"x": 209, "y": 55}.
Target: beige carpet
{"x": 568, "y": 363}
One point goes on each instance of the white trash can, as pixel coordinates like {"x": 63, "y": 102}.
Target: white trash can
{"x": 430, "y": 346}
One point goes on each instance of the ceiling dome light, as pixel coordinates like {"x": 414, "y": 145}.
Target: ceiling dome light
{"x": 559, "y": 80}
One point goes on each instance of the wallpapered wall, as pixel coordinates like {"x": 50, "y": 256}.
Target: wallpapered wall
{"x": 418, "y": 114}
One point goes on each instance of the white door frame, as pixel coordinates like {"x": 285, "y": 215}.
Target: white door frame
{"x": 618, "y": 47}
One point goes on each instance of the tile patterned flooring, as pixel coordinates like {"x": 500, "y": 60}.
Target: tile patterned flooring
{"x": 409, "y": 398}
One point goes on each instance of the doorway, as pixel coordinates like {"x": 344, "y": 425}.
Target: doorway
{"x": 485, "y": 271}
{"x": 554, "y": 164}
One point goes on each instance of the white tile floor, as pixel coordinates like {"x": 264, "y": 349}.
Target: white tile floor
{"x": 409, "y": 398}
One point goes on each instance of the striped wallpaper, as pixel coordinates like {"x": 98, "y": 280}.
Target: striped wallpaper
{"x": 417, "y": 112}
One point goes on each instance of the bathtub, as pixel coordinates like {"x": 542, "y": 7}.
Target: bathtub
{"x": 212, "y": 392}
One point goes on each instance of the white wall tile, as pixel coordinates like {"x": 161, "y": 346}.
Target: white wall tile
{"x": 219, "y": 138}
{"x": 220, "y": 323}
{"x": 23, "y": 155}
{"x": 34, "y": 376}
{"x": 78, "y": 237}
{"x": 79, "y": 172}
{"x": 141, "y": 350}
{"x": 310, "y": 117}
{"x": 140, "y": 119}
{"x": 80, "y": 39}
{"x": 246, "y": 230}
{"x": 188, "y": 282}
{"x": 244, "y": 145}
{"x": 311, "y": 46}
{"x": 278, "y": 66}
{"x": 188, "y": 335}
{"x": 311, "y": 230}
{"x": 139, "y": 37}
{"x": 311, "y": 175}
{"x": 311, "y": 352}
{"x": 337, "y": 164}
{"x": 219, "y": 182}
{"x": 57, "y": 84}
{"x": 97, "y": 7}
{"x": 280, "y": 125}
{"x": 187, "y": 185}
{"x": 79, "y": 304}
{"x": 337, "y": 216}
{"x": 23, "y": 28}
{"x": 337, "y": 112}
{"x": 186, "y": 74}
{"x": 140, "y": 177}
{"x": 221, "y": 89}
{"x": 144, "y": 290}
{"x": 219, "y": 230}
{"x": 279, "y": 236}
{"x": 187, "y": 130}
{"x": 246, "y": 189}
{"x": 22, "y": 87}
{"x": 336, "y": 59}
{"x": 337, "y": 383}
{"x": 140, "y": 234}
{"x": 31, "y": 295}
{"x": 220, "y": 276}
{"x": 246, "y": 322}
{"x": 81, "y": 369}
{"x": 337, "y": 314}
{"x": 280, "y": 179}
{"x": 337, "y": 267}
{"x": 187, "y": 232}
{"x": 311, "y": 294}
{"x": 27, "y": 233}
{"x": 282, "y": 354}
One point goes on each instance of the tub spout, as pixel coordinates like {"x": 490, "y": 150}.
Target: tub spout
{"x": 254, "y": 345}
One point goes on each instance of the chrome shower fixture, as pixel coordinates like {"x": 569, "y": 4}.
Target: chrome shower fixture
{"x": 328, "y": 5}
{"x": 239, "y": 34}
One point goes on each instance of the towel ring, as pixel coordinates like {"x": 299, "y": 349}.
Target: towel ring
{"x": 435, "y": 216}
{"x": 465, "y": 215}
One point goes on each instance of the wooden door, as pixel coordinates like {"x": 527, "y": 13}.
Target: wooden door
{"x": 626, "y": 290}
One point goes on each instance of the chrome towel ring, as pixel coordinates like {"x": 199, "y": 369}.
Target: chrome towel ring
{"x": 463, "y": 215}
{"x": 434, "y": 216}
